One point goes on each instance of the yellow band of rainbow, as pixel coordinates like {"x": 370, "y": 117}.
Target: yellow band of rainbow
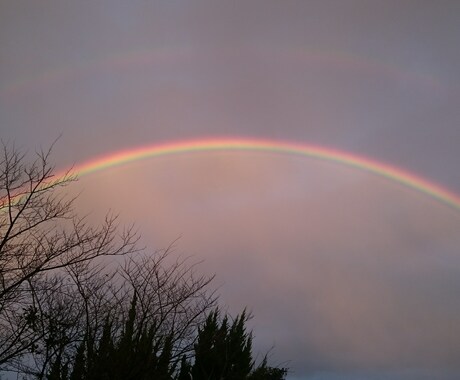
{"x": 392, "y": 173}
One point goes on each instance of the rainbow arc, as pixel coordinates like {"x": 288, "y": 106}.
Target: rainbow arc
{"x": 392, "y": 173}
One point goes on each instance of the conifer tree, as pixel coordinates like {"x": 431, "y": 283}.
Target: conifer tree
{"x": 136, "y": 354}
{"x": 78, "y": 370}
{"x": 265, "y": 372}
{"x": 223, "y": 352}
{"x": 185, "y": 372}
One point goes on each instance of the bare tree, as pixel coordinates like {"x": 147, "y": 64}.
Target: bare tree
{"x": 60, "y": 285}
{"x": 172, "y": 301}
{"x": 40, "y": 235}
{"x": 170, "y": 295}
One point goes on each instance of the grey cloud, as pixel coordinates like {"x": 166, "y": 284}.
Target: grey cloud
{"x": 346, "y": 273}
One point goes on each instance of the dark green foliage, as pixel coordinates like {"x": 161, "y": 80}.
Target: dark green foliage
{"x": 210, "y": 348}
{"x": 264, "y": 372}
{"x": 185, "y": 372}
{"x": 79, "y": 365}
{"x": 58, "y": 371}
{"x": 136, "y": 354}
{"x": 224, "y": 352}
{"x": 99, "y": 363}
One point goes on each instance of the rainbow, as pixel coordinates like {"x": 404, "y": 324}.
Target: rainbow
{"x": 392, "y": 173}
{"x": 161, "y": 56}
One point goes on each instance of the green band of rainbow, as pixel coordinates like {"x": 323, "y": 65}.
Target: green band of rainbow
{"x": 230, "y": 144}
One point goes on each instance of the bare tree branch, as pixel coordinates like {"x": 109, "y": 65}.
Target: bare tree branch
{"x": 40, "y": 234}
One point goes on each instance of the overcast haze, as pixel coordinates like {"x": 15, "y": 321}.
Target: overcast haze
{"x": 348, "y": 275}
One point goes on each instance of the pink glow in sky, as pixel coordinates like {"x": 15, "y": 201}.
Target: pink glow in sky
{"x": 349, "y": 275}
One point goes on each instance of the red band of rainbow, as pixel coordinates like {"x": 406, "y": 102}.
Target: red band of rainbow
{"x": 392, "y": 173}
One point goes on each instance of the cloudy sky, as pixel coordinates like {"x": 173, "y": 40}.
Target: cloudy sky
{"x": 349, "y": 275}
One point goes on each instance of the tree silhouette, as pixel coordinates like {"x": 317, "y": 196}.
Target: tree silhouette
{"x": 224, "y": 351}
{"x": 134, "y": 354}
{"x": 40, "y": 236}
{"x": 67, "y": 313}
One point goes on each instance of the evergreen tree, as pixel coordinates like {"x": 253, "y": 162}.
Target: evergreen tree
{"x": 185, "y": 372}
{"x": 100, "y": 367}
{"x": 225, "y": 353}
{"x": 210, "y": 352}
{"x": 239, "y": 349}
{"x": 222, "y": 351}
{"x": 78, "y": 370}
{"x": 58, "y": 371}
{"x": 138, "y": 353}
{"x": 264, "y": 372}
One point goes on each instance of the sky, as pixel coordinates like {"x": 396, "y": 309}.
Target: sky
{"x": 349, "y": 275}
